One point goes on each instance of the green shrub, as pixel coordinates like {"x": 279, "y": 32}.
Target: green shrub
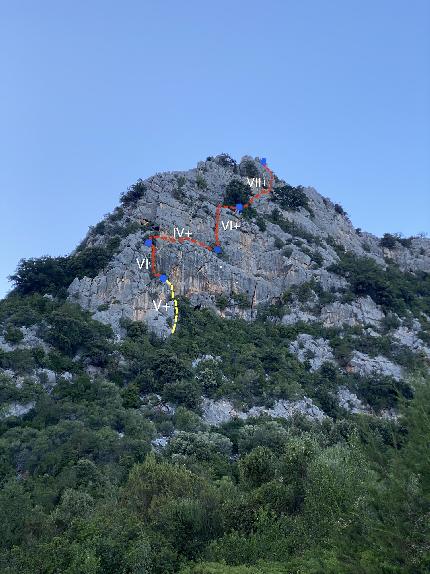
{"x": 261, "y": 223}
{"x": 133, "y": 193}
{"x": 201, "y": 182}
{"x": 236, "y": 192}
{"x": 13, "y": 335}
{"x": 54, "y": 274}
{"x": 131, "y": 397}
{"x": 382, "y": 392}
{"x": 249, "y": 169}
{"x": 178, "y": 193}
{"x": 390, "y": 321}
{"x": 226, "y": 161}
{"x": 169, "y": 368}
{"x": 116, "y": 215}
{"x": 304, "y": 291}
{"x": 187, "y": 420}
{"x": 43, "y": 275}
{"x": 289, "y": 197}
{"x": 241, "y": 300}
{"x": 221, "y": 301}
{"x": 183, "y": 392}
{"x": 317, "y": 258}
{"x": 388, "y": 241}
{"x": 339, "y": 209}
{"x": 250, "y": 213}
{"x": 72, "y": 329}
{"x": 58, "y": 362}
{"x": 391, "y": 288}
{"x": 19, "y": 360}
{"x": 100, "y": 228}
{"x": 257, "y": 467}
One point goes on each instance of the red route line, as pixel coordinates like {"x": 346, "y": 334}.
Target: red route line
{"x": 172, "y": 239}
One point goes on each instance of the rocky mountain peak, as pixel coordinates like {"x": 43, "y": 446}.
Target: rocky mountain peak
{"x": 285, "y": 238}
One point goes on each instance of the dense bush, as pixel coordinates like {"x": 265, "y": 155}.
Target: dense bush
{"x": 201, "y": 181}
{"x": 255, "y": 496}
{"x": 249, "y": 169}
{"x": 184, "y": 393}
{"x": 392, "y": 289}
{"x": 71, "y": 329}
{"x": 54, "y": 274}
{"x": 389, "y": 240}
{"x": 82, "y": 491}
{"x": 13, "y": 335}
{"x": 261, "y": 223}
{"x": 43, "y": 275}
{"x": 19, "y": 360}
{"x": 226, "y": 161}
{"x": 237, "y": 192}
{"x": 133, "y": 193}
{"x": 289, "y": 197}
{"x": 339, "y": 209}
{"x": 382, "y": 392}
{"x": 241, "y": 300}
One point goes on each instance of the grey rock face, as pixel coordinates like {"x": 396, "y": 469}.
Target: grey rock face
{"x": 286, "y": 409}
{"x": 204, "y": 359}
{"x": 414, "y": 258}
{"x": 297, "y": 315}
{"x": 252, "y": 262}
{"x": 316, "y": 351}
{"x": 350, "y": 402}
{"x": 16, "y": 409}
{"x": 30, "y": 340}
{"x": 409, "y": 338}
{"x": 48, "y": 375}
{"x": 361, "y": 312}
{"x": 365, "y": 365}
{"x": 5, "y": 346}
{"x": 218, "y": 412}
{"x": 160, "y": 442}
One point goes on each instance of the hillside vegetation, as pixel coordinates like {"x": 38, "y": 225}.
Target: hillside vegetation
{"x": 282, "y": 433}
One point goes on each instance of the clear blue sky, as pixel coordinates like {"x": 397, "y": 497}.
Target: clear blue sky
{"x": 95, "y": 94}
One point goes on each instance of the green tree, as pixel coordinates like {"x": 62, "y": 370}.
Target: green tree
{"x": 289, "y": 197}
{"x": 13, "y": 334}
{"x": 237, "y": 192}
{"x": 133, "y": 193}
{"x": 257, "y": 467}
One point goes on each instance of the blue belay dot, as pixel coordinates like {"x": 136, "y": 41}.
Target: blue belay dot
{"x": 263, "y": 161}
{"x": 217, "y": 249}
{"x": 163, "y": 278}
{"x": 148, "y": 242}
{"x": 239, "y": 207}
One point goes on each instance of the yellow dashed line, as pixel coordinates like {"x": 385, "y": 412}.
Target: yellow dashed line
{"x": 175, "y": 304}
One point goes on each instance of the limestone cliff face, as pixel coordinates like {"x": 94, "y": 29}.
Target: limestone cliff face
{"x": 258, "y": 262}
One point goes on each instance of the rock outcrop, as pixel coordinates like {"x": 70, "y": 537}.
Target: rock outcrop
{"x": 316, "y": 351}
{"x": 218, "y": 412}
{"x": 260, "y": 259}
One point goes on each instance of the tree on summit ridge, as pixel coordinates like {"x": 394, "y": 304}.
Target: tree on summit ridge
{"x": 237, "y": 192}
